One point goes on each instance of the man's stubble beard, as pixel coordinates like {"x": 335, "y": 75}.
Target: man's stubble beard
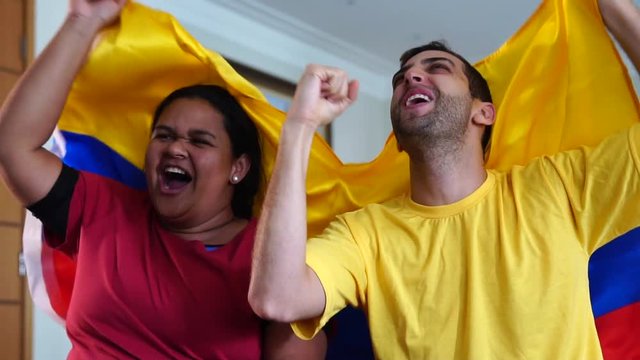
{"x": 438, "y": 133}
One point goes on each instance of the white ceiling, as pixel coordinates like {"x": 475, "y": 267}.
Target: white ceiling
{"x": 383, "y": 29}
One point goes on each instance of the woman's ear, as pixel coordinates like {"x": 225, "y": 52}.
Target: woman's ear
{"x": 239, "y": 169}
{"x": 483, "y": 113}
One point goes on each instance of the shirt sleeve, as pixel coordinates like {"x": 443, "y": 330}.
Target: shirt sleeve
{"x": 337, "y": 260}
{"x": 53, "y": 209}
{"x": 600, "y": 187}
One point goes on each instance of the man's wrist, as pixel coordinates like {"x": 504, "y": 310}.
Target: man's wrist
{"x": 299, "y": 127}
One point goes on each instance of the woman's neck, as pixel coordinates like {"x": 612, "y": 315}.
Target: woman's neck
{"x": 217, "y": 231}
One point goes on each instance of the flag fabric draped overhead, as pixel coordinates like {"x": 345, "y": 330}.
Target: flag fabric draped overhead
{"x": 558, "y": 83}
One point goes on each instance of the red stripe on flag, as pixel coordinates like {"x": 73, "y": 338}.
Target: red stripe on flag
{"x": 618, "y": 332}
{"x": 58, "y": 271}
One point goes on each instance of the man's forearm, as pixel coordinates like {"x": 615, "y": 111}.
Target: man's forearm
{"x": 283, "y": 288}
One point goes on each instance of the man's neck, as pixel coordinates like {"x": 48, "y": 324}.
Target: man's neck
{"x": 445, "y": 178}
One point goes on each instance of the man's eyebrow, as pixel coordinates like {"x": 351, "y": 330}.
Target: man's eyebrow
{"x": 436, "y": 59}
{"x": 426, "y": 61}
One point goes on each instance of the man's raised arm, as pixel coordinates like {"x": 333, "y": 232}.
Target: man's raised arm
{"x": 283, "y": 287}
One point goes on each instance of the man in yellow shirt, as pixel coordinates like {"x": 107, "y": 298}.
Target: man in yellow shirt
{"x": 474, "y": 263}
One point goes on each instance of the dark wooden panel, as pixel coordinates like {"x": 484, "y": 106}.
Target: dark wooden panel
{"x": 10, "y": 331}
{"x": 11, "y": 37}
{"x": 10, "y": 281}
{"x": 7, "y": 80}
{"x": 10, "y": 209}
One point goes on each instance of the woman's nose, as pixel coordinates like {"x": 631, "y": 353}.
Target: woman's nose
{"x": 177, "y": 148}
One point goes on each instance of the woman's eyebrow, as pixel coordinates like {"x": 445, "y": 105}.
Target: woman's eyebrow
{"x": 201, "y": 132}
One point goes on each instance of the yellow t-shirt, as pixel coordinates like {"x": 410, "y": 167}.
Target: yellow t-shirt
{"x": 501, "y": 274}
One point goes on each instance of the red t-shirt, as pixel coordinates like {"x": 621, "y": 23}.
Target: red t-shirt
{"x": 142, "y": 292}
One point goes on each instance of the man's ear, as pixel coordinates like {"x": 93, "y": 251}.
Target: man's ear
{"x": 483, "y": 113}
{"x": 239, "y": 169}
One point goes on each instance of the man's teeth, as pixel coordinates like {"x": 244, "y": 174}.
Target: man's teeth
{"x": 412, "y": 99}
{"x": 175, "y": 170}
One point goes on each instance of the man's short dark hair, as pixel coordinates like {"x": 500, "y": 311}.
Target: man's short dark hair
{"x": 478, "y": 86}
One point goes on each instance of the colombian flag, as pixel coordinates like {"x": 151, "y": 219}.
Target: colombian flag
{"x": 558, "y": 83}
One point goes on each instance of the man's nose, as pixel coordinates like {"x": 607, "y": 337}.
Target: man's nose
{"x": 413, "y": 76}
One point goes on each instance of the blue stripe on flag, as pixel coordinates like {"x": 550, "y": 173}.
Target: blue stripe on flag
{"x": 89, "y": 154}
{"x": 614, "y": 274}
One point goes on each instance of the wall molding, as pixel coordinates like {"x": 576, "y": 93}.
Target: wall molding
{"x": 306, "y": 33}
{"x": 275, "y": 43}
